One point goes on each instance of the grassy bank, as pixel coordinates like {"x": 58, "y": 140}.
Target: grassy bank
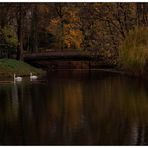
{"x": 133, "y": 54}
{"x": 10, "y": 66}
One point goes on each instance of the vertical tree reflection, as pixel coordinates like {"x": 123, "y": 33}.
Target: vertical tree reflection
{"x": 75, "y": 110}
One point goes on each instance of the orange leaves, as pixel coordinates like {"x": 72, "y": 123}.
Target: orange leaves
{"x": 73, "y": 38}
{"x": 68, "y": 32}
{"x": 53, "y": 26}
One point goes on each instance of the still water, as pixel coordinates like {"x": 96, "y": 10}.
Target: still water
{"x": 75, "y": 108}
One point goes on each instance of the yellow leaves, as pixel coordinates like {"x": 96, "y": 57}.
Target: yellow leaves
{"x": 72, "y": 15}
{"x": 54, "y": 26}
{"x": 55, "y": 22}
{"x": 73, "y": 38}
{"x": 68, "y": 42}
{"x": 68, "y": 31}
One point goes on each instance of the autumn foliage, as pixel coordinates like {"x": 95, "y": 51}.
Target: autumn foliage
{"x": 99, "y": 27}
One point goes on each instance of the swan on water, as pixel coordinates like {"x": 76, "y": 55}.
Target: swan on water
{"x": 17, "y": 78}
{"x": 33, "y": 76}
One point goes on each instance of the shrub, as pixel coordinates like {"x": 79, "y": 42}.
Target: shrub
{"x": 133, "y": 53}
{"x": 8, "y": 39}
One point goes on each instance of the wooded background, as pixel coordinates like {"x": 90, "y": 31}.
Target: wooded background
{"x": 42, "y": 27}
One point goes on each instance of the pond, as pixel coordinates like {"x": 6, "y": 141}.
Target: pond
{"x": 75, "y": 108}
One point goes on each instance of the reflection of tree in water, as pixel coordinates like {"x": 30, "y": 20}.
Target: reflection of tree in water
{"x": 108, "y": 111}
{"x": 15, "y": 104}
{"x": 137, "y": 134}
{"x": 80, "y": 114}
{"x": 5, "y": 111}
{"x": 73, "y": 109}
{"x": 112, "y": 112}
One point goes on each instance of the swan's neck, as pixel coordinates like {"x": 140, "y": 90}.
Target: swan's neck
{"x": 14, "y": 78}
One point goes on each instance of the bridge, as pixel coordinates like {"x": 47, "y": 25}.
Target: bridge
{"x": 66, "y": 55}
{"x": 66, "y": 59}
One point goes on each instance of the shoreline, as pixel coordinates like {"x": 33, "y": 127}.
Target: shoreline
{"x": 10, "y": 66}
{"x": 111, "y": 70}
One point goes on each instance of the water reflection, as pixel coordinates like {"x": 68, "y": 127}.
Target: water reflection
{"x": 15, "y": 103}
{"x": 75, "y": 108}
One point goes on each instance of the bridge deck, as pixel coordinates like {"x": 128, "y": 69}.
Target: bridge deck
{"x": 68, "y": 59}
{"x": 79, "y": 55}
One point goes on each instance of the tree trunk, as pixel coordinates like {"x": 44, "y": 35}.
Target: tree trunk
{"x": 34, "y": 34}
{"x": 19, "y": 33}
{"x": 62, "y": 35}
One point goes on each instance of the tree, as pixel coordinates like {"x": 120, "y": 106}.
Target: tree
{"x": 65, "y": 27}
{"x": 142, "y": 14}
{"x": 34, "y": 28}
{"x": 100, "y": 27}
{"x": 8, "y": 41}
{"x": 60, "y": 10}
{"x": 6, "y": 14}
{"x": 19, "y": 14}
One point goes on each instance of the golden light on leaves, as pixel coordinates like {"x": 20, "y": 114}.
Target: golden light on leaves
{"x": 72, "y": 36}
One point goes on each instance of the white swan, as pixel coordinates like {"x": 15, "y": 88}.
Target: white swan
{"x": 32, "y": 77}
{"x": 17, "y": 78}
